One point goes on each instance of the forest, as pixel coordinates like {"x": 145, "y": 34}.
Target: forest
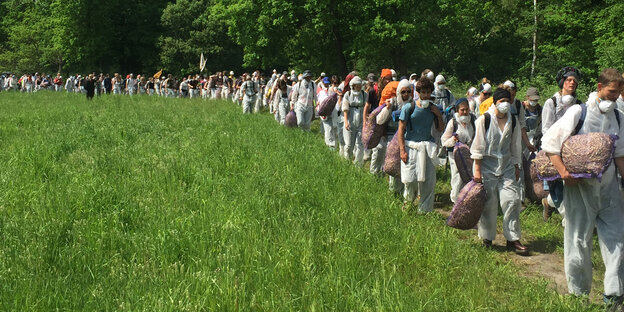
{"x": 468, "y": 39}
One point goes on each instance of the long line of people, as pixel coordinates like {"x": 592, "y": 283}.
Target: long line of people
{"x": 501, "y": 131}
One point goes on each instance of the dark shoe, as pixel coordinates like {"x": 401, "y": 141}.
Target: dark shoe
{"x": 487, "y": 243}
{"x": 517, "y": 247}
{"x": 548, "y": 211}
{"x": 613, "y": 303}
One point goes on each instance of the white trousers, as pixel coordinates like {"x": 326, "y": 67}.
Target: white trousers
{"x": 501, "y": 191}
{"x": 588, "y": 206}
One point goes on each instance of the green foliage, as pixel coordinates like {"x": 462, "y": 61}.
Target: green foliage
{"x": 467, "y": 39}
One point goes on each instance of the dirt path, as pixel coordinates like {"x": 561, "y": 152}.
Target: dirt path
{"x": 539, "y": 263}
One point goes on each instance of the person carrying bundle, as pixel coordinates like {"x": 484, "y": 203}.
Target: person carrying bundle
{"x": 496, "y": 151}
{"x": 591, "y": 203}
{"x": 460, "y": 129}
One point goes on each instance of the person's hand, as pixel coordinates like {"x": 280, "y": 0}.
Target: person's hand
{"x": 569, "y": 180}
{"x": 456, "y": 137}
{"x": 477, "y": 176}
{"x": 532, "y": 148}
{"x": 389, "y": 103}
{"x": 346, "y": 125}
{"x": 403, "y": 156}
{"x": 517, "y": 171}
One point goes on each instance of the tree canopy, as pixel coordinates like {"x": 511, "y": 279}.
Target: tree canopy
{"x": 466, "y": 39}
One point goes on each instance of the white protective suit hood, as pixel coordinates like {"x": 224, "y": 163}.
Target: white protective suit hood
{"x": 403, "y": 84}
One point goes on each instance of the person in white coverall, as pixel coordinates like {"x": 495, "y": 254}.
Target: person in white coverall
{"x": 591, "y": 203}
{"x": 248, "y": 90}
{"x": 555, "y": 108}
{"x": 459, "y": 129}
{"x": 417, "y": 146}
{"x": 352, "y": 107}
{"x": 304, "y": 96}
{"x": 497, "y": 158}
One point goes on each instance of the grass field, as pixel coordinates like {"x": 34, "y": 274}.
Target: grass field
{"x": 185, "y": 205}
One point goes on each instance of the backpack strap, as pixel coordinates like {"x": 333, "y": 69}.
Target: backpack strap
{"x": 581, "y": 121}
{"x": 554, "y": 100}
{"x": 488, "y": 119}
{"x": 454, "y": 125}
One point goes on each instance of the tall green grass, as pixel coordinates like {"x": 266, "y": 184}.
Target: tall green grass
{"x": 184, "y": 205}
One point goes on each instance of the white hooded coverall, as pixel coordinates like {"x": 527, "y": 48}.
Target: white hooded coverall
{"x": 589, "y": 204}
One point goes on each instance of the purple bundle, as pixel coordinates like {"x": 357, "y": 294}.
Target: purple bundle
{"x": 328, "y": 105}
{"x": 463, "y": 162}
{"x": 469, "y": 207}
{"x": 584, "y": 156}
{"x": 291, "y": 120}
{"x": 392, "y": 163}
{"x": 372, "y": 132}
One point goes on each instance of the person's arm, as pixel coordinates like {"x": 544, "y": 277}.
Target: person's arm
{"x": 345, "y": 111}
{"x": 448, "y": 139}
{"x": 619, "y": 162}
{"x": 365, "y": 112}
{"x": 477, "y": 150}
{"x": 516, "y": 151}
{"x": 526, "y": 141}
{"x": 401, "y": 134}
{"x": 563, "y": 172}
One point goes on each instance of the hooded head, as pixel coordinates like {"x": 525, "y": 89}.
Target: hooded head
{"x": 355, "y": 81}
{"x": 403, "y": 85}
{"x": 394, "y": 74}
{"x": 440, "y": 79}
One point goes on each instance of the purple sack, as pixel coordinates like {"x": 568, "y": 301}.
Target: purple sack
{"x": 392, "y": 163}
{"x": 529, "y": 193}
{"x": 327, "y": 106}
{"x": 469, "y": 207}
{"x": 372, "y": 133}
{"x": 291, "y": 120}
{"x": 584, "y": 155}
{"x": 463, "y": 162}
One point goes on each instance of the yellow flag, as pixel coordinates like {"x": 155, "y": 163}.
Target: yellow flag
{"x": 158, "y": 74}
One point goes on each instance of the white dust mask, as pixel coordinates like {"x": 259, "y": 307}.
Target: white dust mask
{"x": 464, "y": 119}
{"x": 424, "y": 103}
{"x": 606, "y": 106}
{"x": 503, "y": 107}
{"x": 567, "y": 99}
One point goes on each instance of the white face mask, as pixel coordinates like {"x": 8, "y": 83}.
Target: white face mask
{"x": 503, "y": 107}
{"x": 464, "y": 119}
{"x": 567, "y": 99}
{"x": 606, "y": 106}
{"x": 533, "y": 103}
{"x": 424, "y": 103}
{"x": 441, "y": 87}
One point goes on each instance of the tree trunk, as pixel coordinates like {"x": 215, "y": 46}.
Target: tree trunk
{"x": 534, "y": 38}
{"x": 342, "y": 61}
